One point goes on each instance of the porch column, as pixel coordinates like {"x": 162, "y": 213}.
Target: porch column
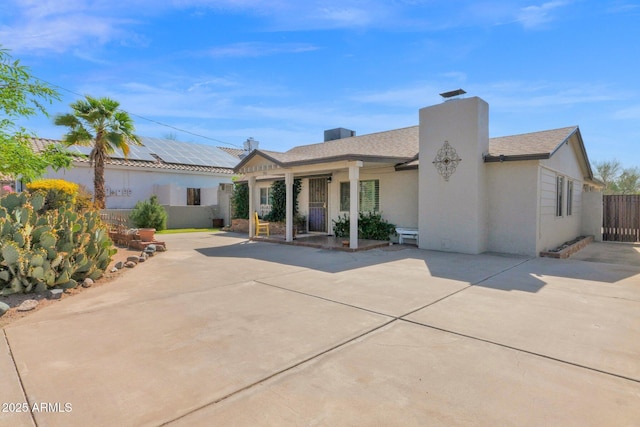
{"x": 354, "y": 196}
{"x": 252, "y": 208}
{"x": 288, "y": 182}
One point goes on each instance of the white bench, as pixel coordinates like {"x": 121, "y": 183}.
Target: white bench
{"x": 407, "y": 233}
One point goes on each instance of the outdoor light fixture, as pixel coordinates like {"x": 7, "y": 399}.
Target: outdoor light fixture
{"x": 329, "y": 180}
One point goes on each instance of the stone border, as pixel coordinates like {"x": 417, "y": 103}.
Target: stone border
{"x": 568, "y": 251}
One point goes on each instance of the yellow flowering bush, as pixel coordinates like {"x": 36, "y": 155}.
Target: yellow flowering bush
{"x": 58, "y": 192}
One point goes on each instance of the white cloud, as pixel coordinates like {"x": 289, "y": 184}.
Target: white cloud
{"x": 536, "y": 16}
{"x": 630, "y": 113}
{"x": 255, "y": 49}
{"x": 55, "y": 26}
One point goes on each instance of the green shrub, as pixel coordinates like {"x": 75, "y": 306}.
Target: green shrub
{"x": 149, "y": 214}
{"x": 279, "y": 200}
{"x": 240, "y": 200}
{"x": 371, "y": 226}
{"x": 56, "y": 248}
{"x": 58, "y": 192}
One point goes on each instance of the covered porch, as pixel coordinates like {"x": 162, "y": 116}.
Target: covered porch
{"x": 263, "y": 165}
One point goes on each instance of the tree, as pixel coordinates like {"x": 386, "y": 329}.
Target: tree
{"x": 21, "y": 95}
{"x": 99, "y": 123}
{"x": 629, "y": 181}
{"x": 616, "y": 179}
{"x": 608, "y": 172}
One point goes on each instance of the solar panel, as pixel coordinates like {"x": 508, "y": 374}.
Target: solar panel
{"x": 189, "y": 153}
{"x": 177, "y": 152}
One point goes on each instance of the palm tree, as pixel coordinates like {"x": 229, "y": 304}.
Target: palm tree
{"x": 98, "y": 123}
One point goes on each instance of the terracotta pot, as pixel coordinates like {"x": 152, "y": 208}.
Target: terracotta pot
{"x": 147, "y": 234}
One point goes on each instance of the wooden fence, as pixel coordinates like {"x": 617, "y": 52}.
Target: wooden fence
{"x": 621, "y": 218}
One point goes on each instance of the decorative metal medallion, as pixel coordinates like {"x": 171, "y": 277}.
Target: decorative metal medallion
{"x": 446, "y": 161}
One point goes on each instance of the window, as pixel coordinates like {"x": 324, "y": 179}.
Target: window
{"x": 559, "y": 194}
{"x": 265, "y": 201}
{"x": 193, "y": 196}
{"x": 265, "y": 196}
{"x": 369, "y": 196}
{"x": 569, "y": 198}
{"x": 345, "y": 189}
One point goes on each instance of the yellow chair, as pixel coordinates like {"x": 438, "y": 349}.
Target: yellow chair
{"x": 261, "y": 227}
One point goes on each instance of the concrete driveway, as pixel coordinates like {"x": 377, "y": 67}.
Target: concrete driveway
{"x": 220, "y": 331}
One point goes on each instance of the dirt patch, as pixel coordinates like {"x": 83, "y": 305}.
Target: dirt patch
{"x": 16, "y": 299}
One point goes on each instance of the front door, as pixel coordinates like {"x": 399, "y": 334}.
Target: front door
{"x": 318, "y": 196}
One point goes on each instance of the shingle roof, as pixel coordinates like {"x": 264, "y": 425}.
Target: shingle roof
{"x": 530, "y": 144}
{"x": 40, "y": 144}
{"x": 402, "y": 146}
{"x": 399, "y": 143}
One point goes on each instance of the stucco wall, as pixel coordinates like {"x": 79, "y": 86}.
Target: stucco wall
{"x": 398, "y": 195}
{"x": 454, "y": 213}
{"x": 177, "y": 216}
{"x": 141, "y": 184}
{"x": 513, "y": 207}
{"x": 554, "y": 230}
{"x": 592, "y": 215}
{"x": 189, "y": 216}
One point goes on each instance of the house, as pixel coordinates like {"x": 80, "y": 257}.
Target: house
{"x": 461, "y": 190}
{"x": 192, "y": 181}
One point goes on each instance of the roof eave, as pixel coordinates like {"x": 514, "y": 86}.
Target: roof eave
{"x": 253, "y": 154}
{"x": 515, "y": 158}
{"x": 349, "y": 158}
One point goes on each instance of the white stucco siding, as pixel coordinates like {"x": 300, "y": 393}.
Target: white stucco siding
{"x": 303, "y": 198}
{"x": 554, "y": 230}
{"x": 453, "y": 209}
{"x": 130, "y": 185}
{"x": 399, "y": 197}
{"x": 512, "y": 207}
{"x": 398, "y": 194}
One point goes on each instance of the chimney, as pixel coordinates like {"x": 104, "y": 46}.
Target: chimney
{"x": 452, "y": 186}
{"x": 249, "y": 145}
{"x": 338, "y": 133}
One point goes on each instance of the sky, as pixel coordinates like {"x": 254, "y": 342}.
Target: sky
{"x": 283, "y": 71}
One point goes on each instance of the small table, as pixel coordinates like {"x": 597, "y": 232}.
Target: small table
{"x": 407, "y": 233}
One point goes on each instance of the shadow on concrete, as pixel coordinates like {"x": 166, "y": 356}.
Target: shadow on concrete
{"x": 516, "y": 273}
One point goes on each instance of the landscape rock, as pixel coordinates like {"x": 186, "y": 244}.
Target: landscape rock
{"x": 113, "y": 270}
{"x": 27, "y": 305}
{"x": 161, "y": 248}
{"x": 133, "y": 259}
{"x": 119, "y": 265}
{"x": 86, "y": 283}
{"x": 55, "y": 293}
{"x": 3, "y": 308}
{"x": 130, "y": 264}
{"x": 142, "y": 259}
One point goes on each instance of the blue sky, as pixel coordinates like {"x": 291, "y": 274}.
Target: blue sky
{"x": 283, "y": 71}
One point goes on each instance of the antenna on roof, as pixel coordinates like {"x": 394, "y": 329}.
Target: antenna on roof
{"x": 454, "y": 94}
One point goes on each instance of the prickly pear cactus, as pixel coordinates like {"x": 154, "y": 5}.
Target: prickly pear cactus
{"x": 44, "y": 249}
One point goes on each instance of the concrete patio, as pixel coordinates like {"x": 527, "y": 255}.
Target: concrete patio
{"x": 220, "y": 330}
{"x": 321, "y": 241}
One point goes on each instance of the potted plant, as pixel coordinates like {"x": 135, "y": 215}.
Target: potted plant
{"x": 149, "y": 216}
